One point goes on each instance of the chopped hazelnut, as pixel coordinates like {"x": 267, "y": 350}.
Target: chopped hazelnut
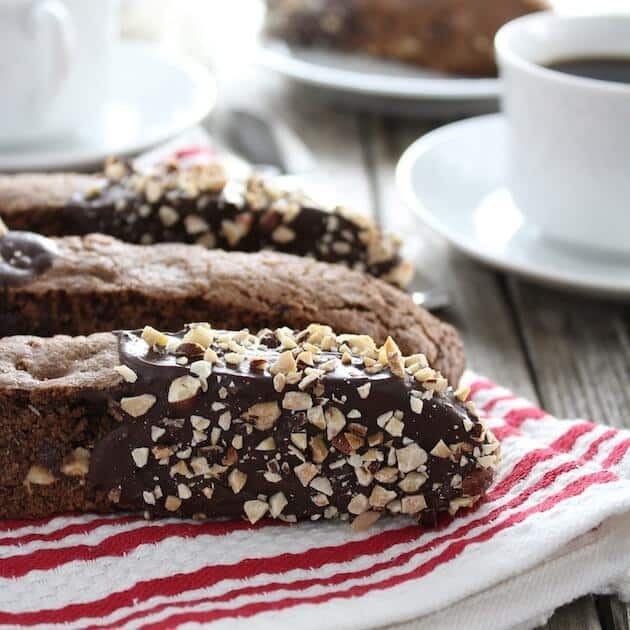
{"x": 412, "y": 482}
{"x": 297, "y": 401}
{"x": 262, "y": 415}
{"x": 39, "y": 476}
{"x": 365, "y": 520}
{"x": 183, "y": 388}
{"x": 358, "y": 504}
{"x": 183, "y": 491}
{"x": 237, "y": 480}
{"x": 285, "y": 364}
{"x": 277, "y": 503}
{"x": 410, "y": 457}
{"x": 299, "y": 439}
{"x": 395, "y": 427}
{"x": 172, "y": 504}
{"x": 305, "y": 472}
{"x": 319, "y": 449}
{"x": 268, "y": 444}
{"x": 321, "y": 484}
{"x": 413, "y": 504}
{"x": 140, "y": 456}
{"x": 380, "y": 497}
{"x": 315, "y": 416}
{"x": 168, "y": 216}
{"x": 154, "y": 337}
{"x": 335, "y": 422}
{"x": 441, "y": 450}
{"x": 255, "y": 510}
{"x": 137, "y": 405}
{"x": 77, "y": 463}
{"x": 127, "y": 374}
{"x": 388, "y": 474}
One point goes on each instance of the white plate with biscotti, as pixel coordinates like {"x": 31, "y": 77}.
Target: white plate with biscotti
{"x": 455, "y": 179}
{"x": 372, "y": 83}
{"x": 153, "y": 97}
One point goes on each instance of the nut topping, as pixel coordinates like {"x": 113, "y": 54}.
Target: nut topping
{"x": 263, "y": 415}
{"x": 296, "y": 424}
{"x": 77, "y": 463}
{"x": 138, "y": 405}
{"x": 39, "y": 476}
{"x": 183, "y": 388}
{"x": 255, "y": 510}
{"x": 297, "y": 401}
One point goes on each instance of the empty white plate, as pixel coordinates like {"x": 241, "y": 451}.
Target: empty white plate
{"x": 154, "y": 97}
{"x": 369, "y": 81}
{"x": 455, "y": 180}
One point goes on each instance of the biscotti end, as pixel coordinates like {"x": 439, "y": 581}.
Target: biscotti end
{"x": 203, "y": 423}
{"x": 99, "y": 283}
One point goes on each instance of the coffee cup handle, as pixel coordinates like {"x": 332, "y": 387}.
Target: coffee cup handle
{"x": 53, "y": 15}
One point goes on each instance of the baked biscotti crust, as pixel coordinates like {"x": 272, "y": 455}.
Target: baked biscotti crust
{"x": 454, "y": 36}
{"x": 199, "y": 204}
{"x": 217, "y": 423}
{"x": 97, "y": 283}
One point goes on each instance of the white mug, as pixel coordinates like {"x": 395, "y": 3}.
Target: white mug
{"x": 54, "y": 66}
{"x": 569, "y": 142}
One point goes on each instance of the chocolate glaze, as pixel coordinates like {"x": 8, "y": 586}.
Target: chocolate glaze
{"x": 24, "y": 255}
{"x": 231, "y": 215}
{"x": 235, "y": 389}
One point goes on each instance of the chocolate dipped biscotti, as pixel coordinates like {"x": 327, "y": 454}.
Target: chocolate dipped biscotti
{"x": 453, "y": 36}
{"x": 211, "y": 423}
{"x": 80, "y": 285}
{"x": 199, "y": 205}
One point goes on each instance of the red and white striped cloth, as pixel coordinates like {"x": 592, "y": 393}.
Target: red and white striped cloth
{"x": 555, "y": 525}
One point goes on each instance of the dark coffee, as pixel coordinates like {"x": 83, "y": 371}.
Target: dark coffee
{"x": 615, "y": 69}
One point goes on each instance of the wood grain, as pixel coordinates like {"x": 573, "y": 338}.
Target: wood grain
{"x": 580, "y": 352}
{"x": 580, "y": 615}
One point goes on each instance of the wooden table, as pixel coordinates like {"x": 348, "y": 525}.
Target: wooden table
{"x": 569, "y": 354}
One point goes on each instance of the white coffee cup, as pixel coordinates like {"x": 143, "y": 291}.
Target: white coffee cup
{"x": 569, "y": 136}
{"x": 54, "y": 66}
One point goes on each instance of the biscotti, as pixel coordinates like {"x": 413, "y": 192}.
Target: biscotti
{"x": 199, "y": 205}
{"x": 454, "y": 36}
{"x": 210, "y": 423}
{"x": 97, "y": 283}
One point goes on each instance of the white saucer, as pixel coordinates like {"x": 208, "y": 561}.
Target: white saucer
{"x": 155, "y": 96}
{"x": 454, "y": 178}
{"x": 367, "y": 80}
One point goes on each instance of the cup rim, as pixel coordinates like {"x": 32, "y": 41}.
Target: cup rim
{"x": 505, "y": 53}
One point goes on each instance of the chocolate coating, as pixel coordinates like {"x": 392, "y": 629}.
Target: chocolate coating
{"x": 341, "y": 438}
{"x": 24, "y": 255}
{"x": 200, "y": 205}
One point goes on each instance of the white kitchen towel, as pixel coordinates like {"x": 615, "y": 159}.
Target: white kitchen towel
{"x": 555, "y": 525}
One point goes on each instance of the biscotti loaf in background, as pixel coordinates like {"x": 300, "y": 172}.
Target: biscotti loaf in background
{"x": 79, "y": 285}
{"x": 454, "y": 36}
{"x": 199, "y": 205}
{"x": 204, "y": 423}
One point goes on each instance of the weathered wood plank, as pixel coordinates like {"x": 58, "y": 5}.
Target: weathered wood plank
{"x": 579, "y": 615}
{"x": 580, "y": 351}
{"x": 617, "y": 614}
{"x": 332, "y": 136}
{"x": 478, "y": 306}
